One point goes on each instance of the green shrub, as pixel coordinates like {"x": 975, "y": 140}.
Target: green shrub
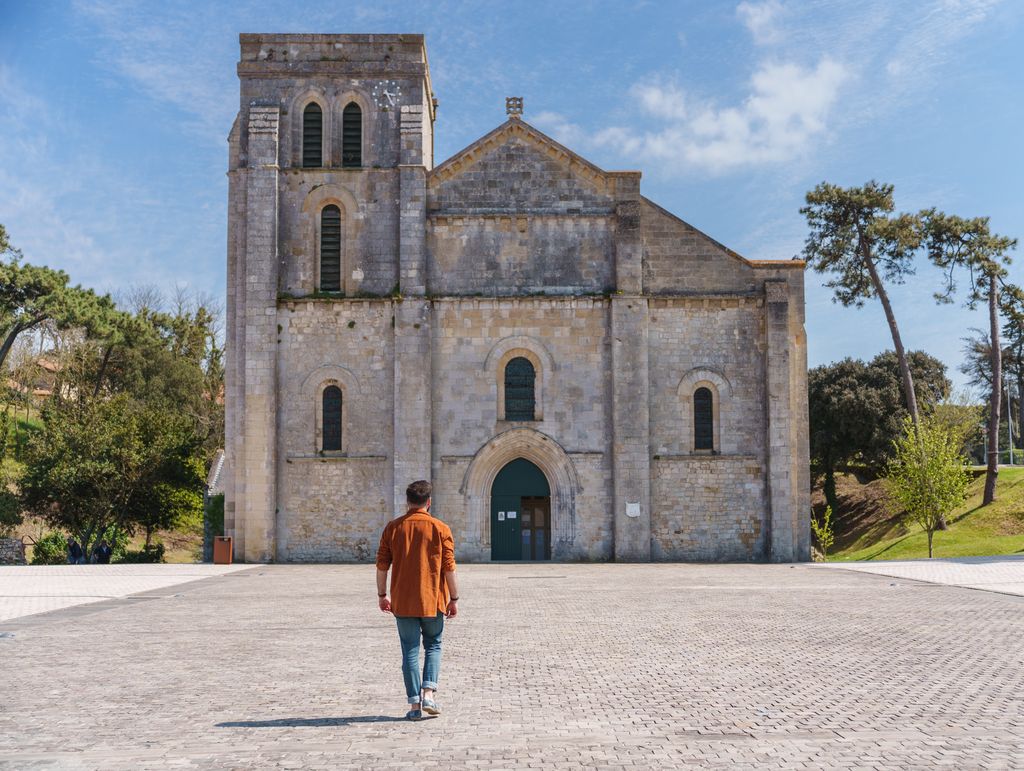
{"x": 5, "y": 432}
{"x": 215, "y": 515}
{"x": 10, "y": 506}
{"x": 823, "y": 532}
{"x": 10, "y": 512}
{"x": 51, "y": 549}
{"x": 152, "y": 553}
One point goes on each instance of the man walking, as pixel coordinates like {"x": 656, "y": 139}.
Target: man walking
{"x": 421, "y": 553}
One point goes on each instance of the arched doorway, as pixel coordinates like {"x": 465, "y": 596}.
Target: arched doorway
{"x": 520, "y": 513}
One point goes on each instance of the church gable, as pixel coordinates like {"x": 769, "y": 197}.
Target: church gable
{"x": 516, "y": 168}
{"x": 515, "y": 213}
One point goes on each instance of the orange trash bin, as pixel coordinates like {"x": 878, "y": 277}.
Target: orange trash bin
{"x": 222, "y": 550}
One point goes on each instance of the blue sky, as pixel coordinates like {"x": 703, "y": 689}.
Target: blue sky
{"x": 114, "y": 117}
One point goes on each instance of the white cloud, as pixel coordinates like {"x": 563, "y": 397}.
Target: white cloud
{"x": 171, "y": 56}
{"x": 873, "y": 56}
{"x": 929, "y": 41}
{"x": 762, "y": 19}
{"x": 560, "y": 127}
{"x": 29, "y": 208}
{"x": 661, "y": 100}
{"x": 785, "y": 111}
{"x": 66, "y": 206}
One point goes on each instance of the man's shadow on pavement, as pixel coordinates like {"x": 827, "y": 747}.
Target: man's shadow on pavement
{"x": 310, "y": 722}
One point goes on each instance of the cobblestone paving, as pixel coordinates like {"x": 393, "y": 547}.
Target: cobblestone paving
{"x": 29, "y": 589}
{"x": 993, "y": 574}
{"x": 548, "y": 666}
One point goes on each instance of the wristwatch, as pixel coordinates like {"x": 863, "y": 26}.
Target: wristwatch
{"x": 382, "y": 595}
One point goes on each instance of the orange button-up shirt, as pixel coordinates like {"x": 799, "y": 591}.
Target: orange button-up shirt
{"x": 420, "y": 549}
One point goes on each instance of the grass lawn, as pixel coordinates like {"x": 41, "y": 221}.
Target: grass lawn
{"x": 973, "y": 530}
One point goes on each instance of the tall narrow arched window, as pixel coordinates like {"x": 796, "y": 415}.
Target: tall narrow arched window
{"x": 332, "y": 419}
{"x": 520, "y": 399}
{"x": 312, "y": 136}
{"x": 352, "y": 136}
{"x": 330, "y": 249}
{"x": 703, "y": 420}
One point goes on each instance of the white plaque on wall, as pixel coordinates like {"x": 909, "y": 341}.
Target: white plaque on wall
{"x": 632, "y": 509}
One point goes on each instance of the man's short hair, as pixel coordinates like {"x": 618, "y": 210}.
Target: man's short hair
{"x": 418, "y": 493}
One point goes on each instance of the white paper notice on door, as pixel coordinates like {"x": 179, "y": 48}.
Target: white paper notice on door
{"x": 511, "y": 515}
{"x": 501, "y": 516}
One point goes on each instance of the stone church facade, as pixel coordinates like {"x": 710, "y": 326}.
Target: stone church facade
{"x": 580, "y": 373}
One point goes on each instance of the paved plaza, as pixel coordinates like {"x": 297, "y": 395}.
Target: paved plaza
{"x": 41, "y": 588}
{"x": 1004, "y": 573}
{"x": 548, "y": 666}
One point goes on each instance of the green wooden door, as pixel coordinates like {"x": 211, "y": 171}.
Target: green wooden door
{"x": 512, "y": 537}
{"x": 504, "y": 529}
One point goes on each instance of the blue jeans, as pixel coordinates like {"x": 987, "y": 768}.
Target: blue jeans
{"x": 409, "y": 630}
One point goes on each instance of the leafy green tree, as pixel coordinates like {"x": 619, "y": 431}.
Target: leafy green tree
{"x": 855, "y": 237}
{"x": 176, "y": 501}
{"x": 172, "y": 359}
{"x": 857, "y": 409}
{"x": 977, "y": 366}
{"x": 967, "y": 246}
{"x": 102, "y": 463}
{"x": 961, "y": 415}
{"x": 32, "y": 294}
{"x": 928, "y": 474}
{"x": 839, "y": 401}
{"x": 10, "y": 512}
{"x": 977, "y": 363}
{"x": 1011, "y": 301}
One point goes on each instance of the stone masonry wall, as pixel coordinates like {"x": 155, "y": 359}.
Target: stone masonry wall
{"x": 516, "y": 175}
{"x": 332, "y": 507}
{"x": 723, "y": 335}
{"x": 679, "y": 258}
{"x": 708, "y": 508}
{"x": 12, "y": 551}
{"x": 381, "y": 143}
{"x": 518, "y": 255}
{"x": 517, "y": 217}
{"x": 568, "y": 336}
{"x": 368, "y": 200}
{"x": 568, "y": 340}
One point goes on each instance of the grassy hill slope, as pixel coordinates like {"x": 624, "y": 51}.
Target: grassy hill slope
{"x": 867, "y": 528}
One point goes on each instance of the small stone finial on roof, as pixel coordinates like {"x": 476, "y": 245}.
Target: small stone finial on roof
{"x": 514, "y": 106}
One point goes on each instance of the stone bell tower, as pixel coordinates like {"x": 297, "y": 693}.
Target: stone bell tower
{"x": 328, "y": 157}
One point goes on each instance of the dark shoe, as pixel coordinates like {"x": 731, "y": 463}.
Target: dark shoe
{"x": 430, "y": 706}
{"x": 413, "y": 714}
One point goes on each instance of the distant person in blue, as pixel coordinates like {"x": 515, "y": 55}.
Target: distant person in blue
{"x": 75, "y": 554}
{"x": 103, "y": 552}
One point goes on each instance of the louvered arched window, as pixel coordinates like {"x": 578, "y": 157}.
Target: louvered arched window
{"x": 332, "y": 419}
{"x": 520, "y": 399}
{"x": 312, "y": 136}
{"x": 330, "y": 249}
{"x": 703, "y": 419}
{"x": 352, "y": 136}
